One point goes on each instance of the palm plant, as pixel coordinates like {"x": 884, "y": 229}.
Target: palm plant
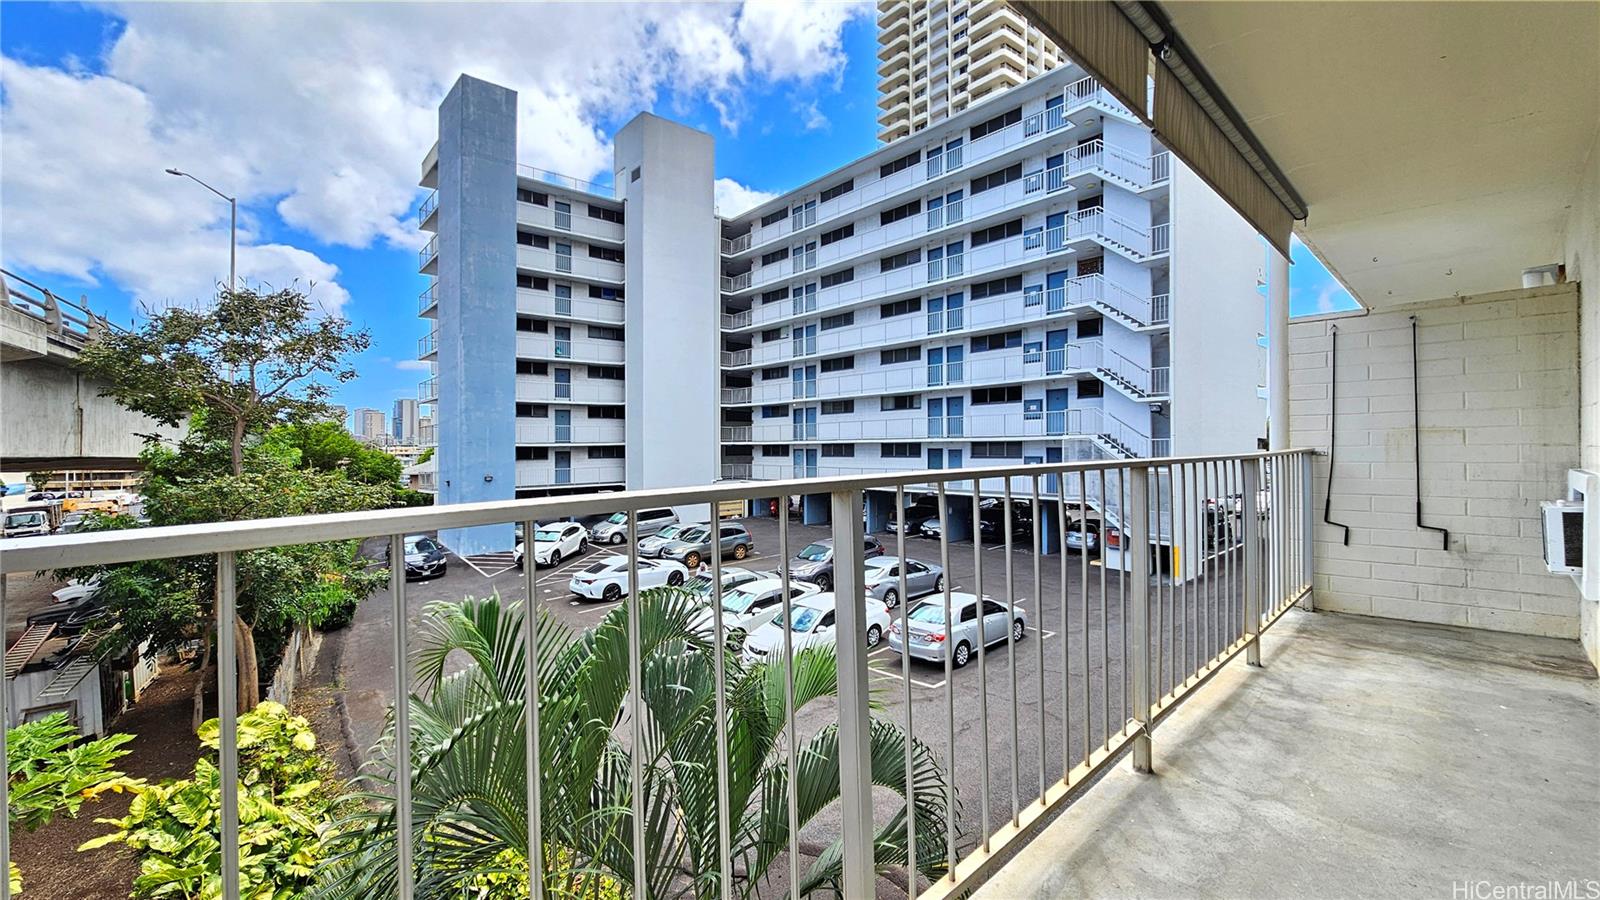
{"x": 470, "y": 825}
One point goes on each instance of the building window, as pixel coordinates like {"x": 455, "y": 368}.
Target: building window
{"x": 1089, "y": 328}
{"x": 529, "y": 367}
{"x": 774, "y": 450}
{"x": 899, "y": 355}
{"x": 609, "y": 373}
{"x": 996, "y": 232}
{"x": 530, "y": 281}
{"x": 990, "y": 126}
{"x": 771, "y": 334}
{"x": 900, "y": 308}
{"x": 996, "y": 179}
{"x": 774, "y": 218}
{"x": 538, "y": 326}
{"x": 534, "y": 197}
{"x": 1090, "y": 388}
{"x": 900, "y": 451}
{"x": 896, "y": 165}
{"x": 532, "y": 411}
{"x": 843, "y": 187}
{"x": 1003, "y": 340}
{"x": 838, "y": 407}
{"x": 604, "y": 293}
{"x": 607, "y": 452}
{"x": 838, "y": 364}
{"x": 604, "y": 214}
{"x": 838, "y": 451}
{"x": 774, "y": 412}
{"x": 527, "y": 453}
{"x": 774, "y": 295}
{"x": 900, "y": 402}
{"x": 605, "y": 333}
{"x": 608, "y": 254}
{"x": 606, "y": 412}
{"x": 838, "y": 321}
{"x": 773, "y": 373}
{"x": 838, "y": 234}
{"x": 900, "y": 260}
{"x": 1008, "y": 393}
{"x": 996, "y": 450}
{"x": 997, "y": 287}
{"x": 778, "y": 255}
{"x": 903, "y": 211}
{"x": 840, "y": 277}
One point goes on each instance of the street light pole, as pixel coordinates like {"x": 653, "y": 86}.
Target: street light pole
{"x": 233, "y": 226}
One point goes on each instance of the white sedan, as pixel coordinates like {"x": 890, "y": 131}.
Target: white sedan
{"x": 554, "y": 542}
{"x": 607, "y": 579}
{"x": 752, "y": 605}
{"x": 811, "y": 624}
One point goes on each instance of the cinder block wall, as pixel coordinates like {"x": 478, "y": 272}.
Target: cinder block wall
{"x": 1499, "y": 405}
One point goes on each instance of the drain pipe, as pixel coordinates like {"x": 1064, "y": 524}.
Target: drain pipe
{"x": 1333, "y": 424}
{"x": 1416, "y": 438}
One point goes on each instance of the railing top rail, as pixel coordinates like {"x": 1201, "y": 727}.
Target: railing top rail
{"x": 57, "y": 551}
{"x": 47, "y": 300}
{"x": 556, "y": 178}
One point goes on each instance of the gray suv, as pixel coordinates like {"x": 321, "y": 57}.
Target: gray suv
{"x": 814, "y": 563}
{"x": 693, "y": 544}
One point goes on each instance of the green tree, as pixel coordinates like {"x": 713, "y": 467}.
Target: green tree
{"x": 468, "y": 750}
{"x": 426, "y": 455}
{"x": 51, "y": 772}
{"x": 328, "y": 447}
{"x": 40, "y": 479}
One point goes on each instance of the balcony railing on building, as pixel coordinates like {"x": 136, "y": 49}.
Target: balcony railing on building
{"x": 428, "y": 390}
{"x": 1160, "y": 238}
{"x": 429, "y": 206}
{"x": 428, "y": 299}
{"x": 1160, "y": 167}
{"x": 429, "y": 254}
{"x": 428, "y": 344}
{"x": 1201, "y": 557}
{"x": 567, "y": 181}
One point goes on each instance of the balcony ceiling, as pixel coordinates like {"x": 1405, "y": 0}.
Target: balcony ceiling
{"x": 1437, "y": 146}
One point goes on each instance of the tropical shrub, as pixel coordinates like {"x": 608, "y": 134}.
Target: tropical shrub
{"x": 470, "y": 826}
{"x": 286, "y": 807}
{"x": 51, "y": 771}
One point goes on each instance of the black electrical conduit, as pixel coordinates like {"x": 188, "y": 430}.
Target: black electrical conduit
{"x": 1333, "y": 419}
{"x": 1416, "y": 436}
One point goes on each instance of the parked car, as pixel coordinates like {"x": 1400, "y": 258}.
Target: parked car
{"x": 72, "y": 521}
{"x": 553, "y": 542}
{"x": 811, "y": 623}
{"x": 1082, "y": 537}
{"x": 70, "y": 617}
{"x": 614, "y": 530}
{"x": 77, "y": 590}
{"x": 41, "y": 497}
{"x": 732, "y": 577}
{"x": 607, "y": 578}
{"x": 31, "y": 522}
{"x": 883, "y": 579}
{"x": 749, "y": 606}
{"x": 694, "y": 544}
{"x": 814, "y": 562}
{"x": 929, "y": 639}
{"x": 424, "y": 557}
{"x": 931, "y": 528}
{"x": 650, "y": 547}
{"x": 920, "y": 510}
{"x": 992, "y": 521}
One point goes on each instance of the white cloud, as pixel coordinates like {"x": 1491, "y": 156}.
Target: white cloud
{"x": 322, "y": 112}
{"x": 413, "y": 365}
{"x": 733, "y": 198}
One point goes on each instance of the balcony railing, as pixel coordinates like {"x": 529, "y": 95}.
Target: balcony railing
{"x": 428, "y": 299}
{"x": 738, "y": 244}
{"x": 1160, "y": 167}
{"x": 428, "y": 344}
{"x": 566, "y": 181}
{"x": 735, "y": 395}
{"x": 1160, "y": 238}
{"x": 428, "y": 390}
{"x": 428, "y": 253}
{"x": 1160, "y": 309}
{"x": 1199, "y": 557}
{"x": 428, "y": 208}
{"x": 736, "y": 434}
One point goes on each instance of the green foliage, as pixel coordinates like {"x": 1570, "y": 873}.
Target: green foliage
{"x": 469, "y": 762}
{"x": 408, "y": 497}
{"x": 286, "y": 805}
{"x": 40, "y": 479}
{"x": 51, "y": 771}
{"x": 328, "y": 447}
{"x": 330, "y": 606}
{"x": 426, "y": 455}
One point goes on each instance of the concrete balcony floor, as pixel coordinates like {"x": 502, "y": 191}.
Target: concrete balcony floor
{"x": 1368, "y": 758}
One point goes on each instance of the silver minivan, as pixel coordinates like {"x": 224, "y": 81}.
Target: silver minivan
{"x": 615, "y": 529}
{"x": 929, "y": 639}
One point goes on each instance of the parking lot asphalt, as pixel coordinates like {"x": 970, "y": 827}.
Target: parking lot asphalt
{"x": 1022, "y": 712}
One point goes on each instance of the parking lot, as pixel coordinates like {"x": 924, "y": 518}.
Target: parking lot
{"x": 1011, "y": 705}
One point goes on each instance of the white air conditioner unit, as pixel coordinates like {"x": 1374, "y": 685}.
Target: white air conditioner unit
{"x": 1562, "y": 523}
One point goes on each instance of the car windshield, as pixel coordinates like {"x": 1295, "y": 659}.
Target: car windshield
{"x": 618, "y": 519}
{"x": 25, "y": 519}
{"x": 814, "y": 552}
{"x": 414, "y": 545}
{"x": 737, "y": 601}
{"x": 547, "y": 536}
{"x": 928, "y": 612}
{"x": 692, "y": 534}
{"x": 669, "y": 532}
{"x": 597, "y": 568}
{"x": 804, "y": 618}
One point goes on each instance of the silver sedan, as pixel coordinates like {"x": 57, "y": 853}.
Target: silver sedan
{"x": 930, "y": 639}
{"x": 883, "y": 579}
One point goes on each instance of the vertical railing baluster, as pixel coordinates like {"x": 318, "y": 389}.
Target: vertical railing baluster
{"x": 641, "y": 884}
{"x": 1212, "y": 513}
{"x": 228, "y": 717}
{"x": 1066, "y": 632}
{"x": 1105, "y": 621}
{"x": 792, "y": 761}
{"x": 949, "y": 690}
{"x": 720, "y": 666}
{"x": 1158, "y": 672}
{"x": 983, "y": 665}
{"x": 1308, "y": 533}
{"x": 1038, "y": 629}
{"x": 905, "y": 683}
{"x": 5, "y": 767}
{"x": 1011, "y": 644}
{"x": 1083, "y": 597}
{"x": 404, "y": 846}
{"x": 855, "y": 754}
{"x": 532, "y": 768}
{"x": 1137, "y": 607}
{"x": 1250, "y": 477}
{"x": 1122, "y": 603}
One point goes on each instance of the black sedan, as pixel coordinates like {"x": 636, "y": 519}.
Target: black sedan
{"x": 424, "y": 557}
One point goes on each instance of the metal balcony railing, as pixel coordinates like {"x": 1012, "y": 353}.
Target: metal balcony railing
{"x": 429, "y": 206}
{"x": 736, "y": 434}
{"x": 428, "y": 253}
{"x": 1161, "y": 238}
{"x": 428, "y": 390}
{"x": 428, "y": 344}
{"x": 567, "y": 181}
{"x": 428, "y": 299}
{"x": 1198, "y": 558}
{"x": 736, "y": 357}
{"x": 738, "y": 244}
{"x": 1161, "y": 380}
{"x": 1160, "y": 167}
{"x": 735, "y": 395}
{"x": 1160, "y": 309}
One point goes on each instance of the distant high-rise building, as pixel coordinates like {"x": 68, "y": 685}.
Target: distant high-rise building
{"x": 368, "y": 424}
{"x": 338, "y": 413}
{"x": 404, "y": 423}
{"x": 425, "y": 435}
{"x": 936, "y": 60}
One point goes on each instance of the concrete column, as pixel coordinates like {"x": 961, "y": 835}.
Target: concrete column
{"x": 958, "y": 518}
{"x": 814, "y": 509}
{"x": 880, "y": 504}
{"x": 1278, "y": 350}
{"x": 1049, "y": 528}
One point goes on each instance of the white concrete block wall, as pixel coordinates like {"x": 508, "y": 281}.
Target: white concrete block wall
{"x": 1499, "y": 413}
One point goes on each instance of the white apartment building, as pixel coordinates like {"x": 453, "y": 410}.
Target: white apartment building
{"x": 1017, "y": 282}
{"x": 369, "y": 424}
{"x": 936, "y": 59}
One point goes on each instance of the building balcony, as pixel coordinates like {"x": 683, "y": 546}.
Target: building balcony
{"x": 555, "y": 264}
{"x": 546, "y": 305}
{"x": 428, "y": 211}
{"x": 548, "y": 347}
{"x": 575, "y": 221}
{"x": 430, "y": 167}
{"x": 428, "y": 345}
{"x": 428, "y": 301}
{"x": 579, "y": 471}
{"x": 428, "y": 257}
{"x": 545, "y": 389}
{"x": 428, "y": 390}
{"x": 581, "y": 432}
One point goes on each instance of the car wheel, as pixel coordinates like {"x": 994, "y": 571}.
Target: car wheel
{"x": 611, "y": 594}
{"x": 1017, "y": 630}
{"x": 741, "y": 551}
{"x": 692, "y": 559}
{"x": 583, "y": 545}
{"x": 519, "y": 564}
{"x": 938, "y": 584}
{"x": 874, "y": 635}
{"x": 616, "y": 539}
{"x": 825, "y": 582}
{"x": 555, "y": 558}
{"x": 963, "y": 655}
{"x": 675, "y": 579}
{"x": 891, "y": 598}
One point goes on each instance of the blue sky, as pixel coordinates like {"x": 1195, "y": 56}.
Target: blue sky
{"x": 318, "y": 115}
